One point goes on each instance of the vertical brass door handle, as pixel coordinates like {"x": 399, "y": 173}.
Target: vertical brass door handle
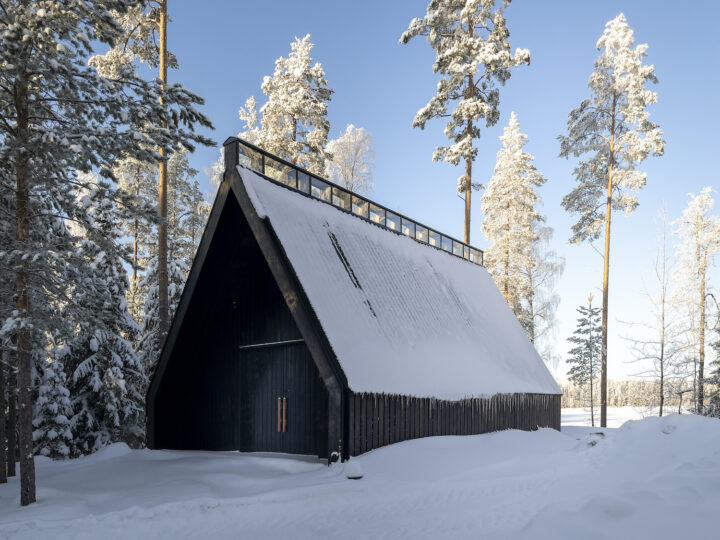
{"x": 279, "y": 407}
{"x": 284, "y": 414}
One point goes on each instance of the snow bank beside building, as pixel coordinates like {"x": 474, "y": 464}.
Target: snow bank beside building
{"x": 653, "y": 478}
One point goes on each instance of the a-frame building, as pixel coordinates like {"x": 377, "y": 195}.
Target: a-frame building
{"x": 316, "y": 321}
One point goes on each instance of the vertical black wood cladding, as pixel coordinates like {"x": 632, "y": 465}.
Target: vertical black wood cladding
{"x": 204, "y": 400}
{"x": 380, "y": 419}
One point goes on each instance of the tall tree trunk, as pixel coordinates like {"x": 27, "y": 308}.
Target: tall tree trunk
{"x": 468, "y": 160}
{"x": 592, "y": 400}
{"x": 506, "y": 285}
{"x": 22, "y": 274}
{"x": 3, "y": 405}
{"x": 163, "y": 311}
{"x": 662, "y": 334}
{"x": 606, "y": 273}
{"x": 136, "y": 226}
{"x": 701, "y": 356}
{"x": 468, "y": 190}
{"x": 11, "y": 426}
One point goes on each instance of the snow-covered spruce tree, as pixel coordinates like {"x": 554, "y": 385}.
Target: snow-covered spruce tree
{"x": 511, "y": 219}
{"x": 699, "y": 234}
{"x": 613, "y": 130}
{"x": 151, "y": 341}
{"x": 187, "y": 210}
{"x": 584, "y": 359}
{"x": 294, "y": 122}
{"x": 106, "y": 377}
{"x": 57, "y": 116}
{"x": 138, "y": 179}
{"x": 53, "y": 410}
{"x": 351, "y": 160}
{"x": 473, "y": 56}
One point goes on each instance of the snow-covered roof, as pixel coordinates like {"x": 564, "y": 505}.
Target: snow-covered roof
{"x": 401, "y": 317}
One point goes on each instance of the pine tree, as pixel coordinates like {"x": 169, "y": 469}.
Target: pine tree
{"x": 585, "y": 355}
{"x": 352, "y": 160}
{"x": 53, "y": 410}
{"x": 294, "y": 121}
{"x": 144, "y": 40}
{"x": 138, "y": 179}
{"x": 470, "y": 39}
{"x": 699, "y": 233}
{"x": 511, "y": 220}
{"x": 614, "y": 129}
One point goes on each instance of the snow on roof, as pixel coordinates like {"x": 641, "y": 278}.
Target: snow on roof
{"x": 402, "y": 318}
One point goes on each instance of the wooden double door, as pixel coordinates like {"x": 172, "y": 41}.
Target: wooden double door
{"x": 284, "y": 401}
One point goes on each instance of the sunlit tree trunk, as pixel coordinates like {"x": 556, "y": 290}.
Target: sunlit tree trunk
{"x": 606, "y": 272}
{"x": 163, "y": 316}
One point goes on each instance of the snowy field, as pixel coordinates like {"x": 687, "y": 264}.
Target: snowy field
{"x": 617, "y": 416}
{"x": 652, "y": 478}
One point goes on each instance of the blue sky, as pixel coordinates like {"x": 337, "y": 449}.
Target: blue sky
{"x": 226, "y": 47}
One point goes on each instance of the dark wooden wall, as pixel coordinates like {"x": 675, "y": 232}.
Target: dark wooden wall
{"x": 376, "y": 420}
{"x": 201, "y": 402}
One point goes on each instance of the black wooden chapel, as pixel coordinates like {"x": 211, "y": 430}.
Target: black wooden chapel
{"x": 316, "y": 321}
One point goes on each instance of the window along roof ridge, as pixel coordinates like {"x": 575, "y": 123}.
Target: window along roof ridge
{"x": 296, "y": 178}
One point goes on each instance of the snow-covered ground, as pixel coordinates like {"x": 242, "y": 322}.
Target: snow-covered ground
{"x": 617, "y": 416}
{"x": 653, "y": 478}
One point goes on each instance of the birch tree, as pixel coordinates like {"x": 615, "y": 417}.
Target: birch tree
{"x": 699, "y": 233}
{"x": 351, "y": 160}
{"x": 613, "y": 133}
{"x": 511, "y": 219}
{"x": 661, "y": 346}
{"x": 472, "y": 57}
{"x": 294, "y": 122}
{"x": 541, "y": 271}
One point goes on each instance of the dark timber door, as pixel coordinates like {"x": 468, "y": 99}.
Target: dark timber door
{"x": 284, "y": 400}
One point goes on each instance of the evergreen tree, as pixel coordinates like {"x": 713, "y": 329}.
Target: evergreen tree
{"x": 473, "y": 56}
{"x": 59, "y": 115}
{"x": 699, "y": 233}
{"x": 294, "y": 121}
{"x": 585, "y": 356}
{"x": 138, "y": 179}
{"x": 52, "y": 435}
{"x": 151, "y": 341}
{"x": 511, "y": 220}
{"x": 614, "y": 129}
{"x": 351, "y": 160}
{"x": 107, "y": 380}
